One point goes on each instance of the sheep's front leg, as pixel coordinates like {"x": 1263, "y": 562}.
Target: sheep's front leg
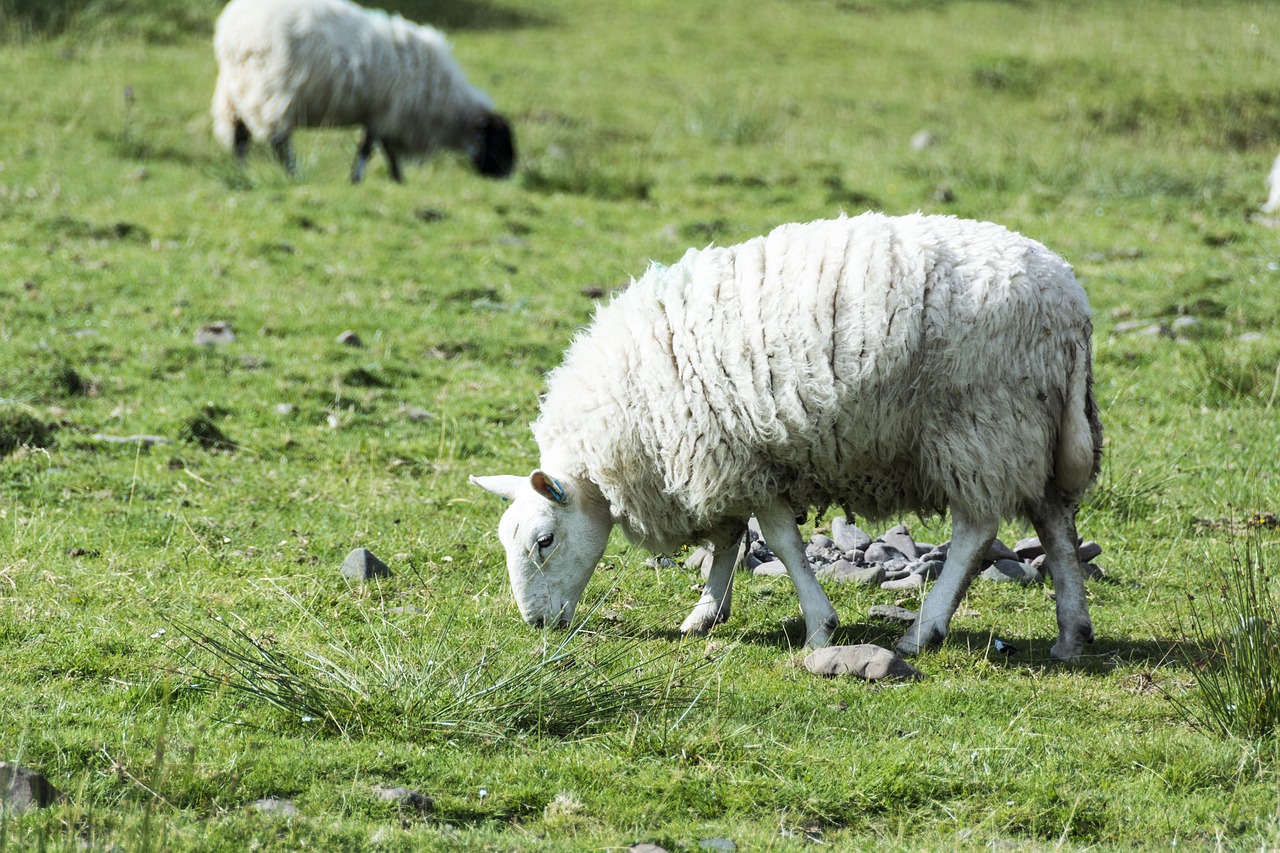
{"x": 240, "y": 142}
{"x": 778, "y": 524}
{"x": 970, "y": 541}
{"x": 283, "y": 148}
{"x": 363, "y": 153}
{"x": 1054, "y": 520}
{"x": 717, "y": 595}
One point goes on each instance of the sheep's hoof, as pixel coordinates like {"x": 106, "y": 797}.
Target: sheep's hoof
{"x": 820, "y": 637}
{"x": 1071, "y": 643}
{"x": 915, "y": 641}
{"x": 703, "y": 618}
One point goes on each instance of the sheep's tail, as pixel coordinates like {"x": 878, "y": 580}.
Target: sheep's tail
{"x": 1080, "y": 433}
{"x": 224, "y": 114}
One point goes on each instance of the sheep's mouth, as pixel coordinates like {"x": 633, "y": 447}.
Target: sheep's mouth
{"x": 495, "y": 151}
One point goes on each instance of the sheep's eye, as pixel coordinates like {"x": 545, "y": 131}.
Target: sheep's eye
{"x": 545, "y": 540}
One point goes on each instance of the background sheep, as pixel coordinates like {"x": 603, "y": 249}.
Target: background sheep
{"x": 1273, "y": 182}
{"x": 284, "y": 64}
{"x": 883, "y": 364}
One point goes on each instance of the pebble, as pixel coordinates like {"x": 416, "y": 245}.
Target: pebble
{"x": 215, "y": 333}
{"x": 771, "y": 569}
{"x": 848, "y": 537}
{"x": 892, "y": 613}
{"x": 864, "y": 660}
{"x": 22, "y": 788}
{"x": 404, "y": 797}
{"x": 275, "y": 807}
{"x": 350, "y": 339}
{"x": 361, "y": 565}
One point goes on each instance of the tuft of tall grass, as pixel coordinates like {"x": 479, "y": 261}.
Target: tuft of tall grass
{"x": 1224, "y": 376}
{"x": 1234, "y": 647}
{"x": 576, "y": 685}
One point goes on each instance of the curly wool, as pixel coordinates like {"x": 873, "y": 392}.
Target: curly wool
{"x": 284, "y": 64}
{"x": 881, "y": 364}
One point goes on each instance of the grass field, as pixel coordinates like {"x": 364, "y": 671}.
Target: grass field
{"x": 1133, "y": 138}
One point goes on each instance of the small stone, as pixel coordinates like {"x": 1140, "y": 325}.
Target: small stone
{"x": 361, "y": 565}
{"x": 771, "y": 569}
{"x": 843, "y": 571}
{"x": 892, "y": 613}
{"x": 864, "y": 660}
{"x": 911, "y": 581}
{"x": 214, "y": 334}
{"x": 144, "y": 440}
{"x": 404, "y": 797}
{"x": 1000, "y": 551}
{"x": 646, "y": 847}
{"x": 937, "y": 552}
{"x": 895, "y": 569}
{"x": 881, "y": 552}
{"x": 848, "y": 537}
{"x": 1183, "y": 323}
{"x": 284, "y": 410}
{"x": 350, "y": 339}
{"x": 899, "y": 538}
{"x": 1089, "y": 551}
{"x": 404, "y": 610}
{"x": 418, "y": 416}
{"x": 275, "y": 807}
{"x": 1092, "y": 571}
{"x": 1010, "y": 570}
{"x": 1028, "y": 549}
{"x": 22, "y": 788}
{"x": 921, "y": 139}
{"x": 928, "y": 569}
{"x": 822, "y": 542}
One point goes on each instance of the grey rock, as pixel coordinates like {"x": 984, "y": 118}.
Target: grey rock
{"x": 864, "y": 660}
{"x": 646, "y": 847}
{"x": 1089, "y": 551}
{"x": 22, "y": 788}
{"x": 822, "y": 542}
{"x": 417, "y": 415}
{"x": 660, "y": 562}
{"x": 1092, "y": 571}
{"x": 144, "y": 440}
{"x": 882, "y": 552}
{"x": 900, "y": 538}
{"x": 911, "y": 581}
{"x": 1011, "y": 571}
{"x": 771, "y": 569}
{"x": 275, "y": 807}
{"x": 892, "y": 613}
{"x": 406, "y": 797}
{"x": 350, "y": 339}
{"x": 361, "y": 565}
{"x": 1028, "y": 549}
{"x": 214, "y": 334}
{"x": 921, "y": 140}
{"x": 937, "y": 552}
{"x": 1000, "y": 551}
{"x": 284, "y": 410}
{"x": 723, "y": 844}
{"x": 1040, "y": 564}
{"x": 848, "y": 537}
{"x": 927, "y": 569}
{"x": 894, "y": 569}
{"x": 843, "y": 571}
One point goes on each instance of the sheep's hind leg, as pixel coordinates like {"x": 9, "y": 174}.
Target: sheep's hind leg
{"x": 717, "y": 595}
{"x": 282, "y": 145}
{"x": 970, "y": 541}
{"x": 241, "y": 140}
{"x": 1054, "y": 520}
{"x": 393, "y": 164}
{"x": 778, "y": 524}
{"x": 362, "y": 156}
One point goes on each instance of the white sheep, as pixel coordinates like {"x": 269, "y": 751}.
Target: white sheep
{"x": 882, "y": 364}
{"x": 285, "y": 64}
{"x": 1273, "y": 182}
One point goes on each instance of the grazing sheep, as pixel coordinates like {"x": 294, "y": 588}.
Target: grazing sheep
{"x": 1273, "y": 181}
{"x": 285, "y": 64}
{"x": 882, "y": 364}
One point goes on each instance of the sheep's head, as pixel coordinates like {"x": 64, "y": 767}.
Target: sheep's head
{"x": 554, "y": 533}
{"x": 493, "y": 151}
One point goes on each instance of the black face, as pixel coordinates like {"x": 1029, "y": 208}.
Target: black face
{"x": 495, "y": 154}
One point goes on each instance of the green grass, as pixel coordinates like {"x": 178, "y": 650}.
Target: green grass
{"x": 1132, "y": 138}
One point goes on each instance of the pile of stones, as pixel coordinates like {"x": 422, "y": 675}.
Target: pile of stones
{"x": 895, "y": 560}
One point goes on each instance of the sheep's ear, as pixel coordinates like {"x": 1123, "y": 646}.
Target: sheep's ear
{"x": 505, "y": 486}
{"x": 549, "y": 487}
